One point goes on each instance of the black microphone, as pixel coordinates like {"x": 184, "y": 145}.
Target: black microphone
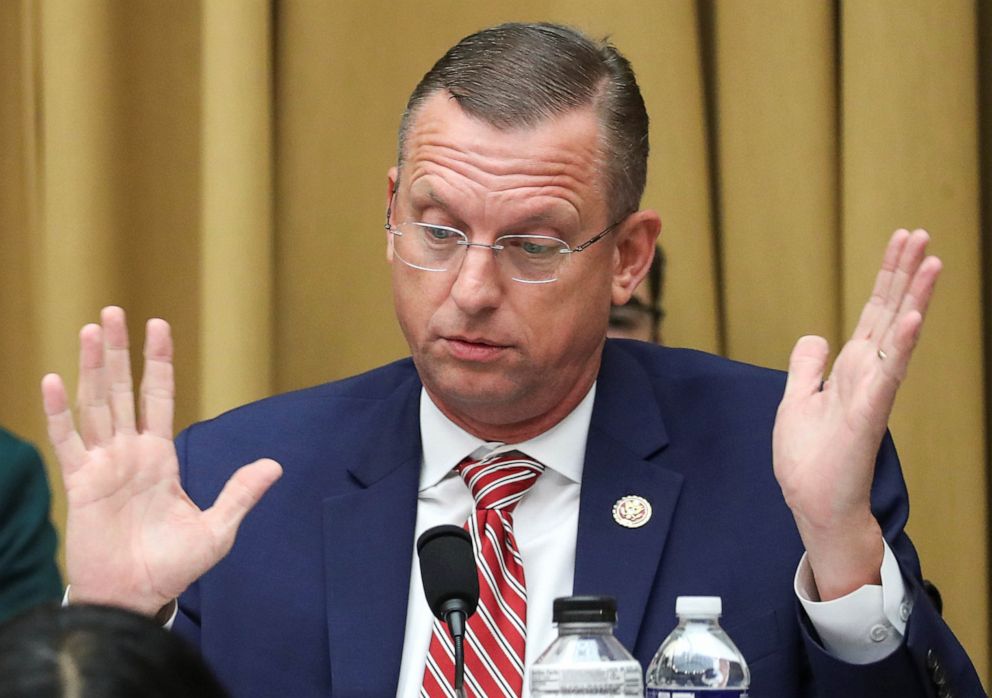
{"x": 451, "y": 584}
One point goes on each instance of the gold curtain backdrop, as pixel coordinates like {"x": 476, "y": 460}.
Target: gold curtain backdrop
{"x": 221, "y": 163}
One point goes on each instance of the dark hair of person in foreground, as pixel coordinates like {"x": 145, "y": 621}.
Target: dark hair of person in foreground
{"x": 97, "y": 652}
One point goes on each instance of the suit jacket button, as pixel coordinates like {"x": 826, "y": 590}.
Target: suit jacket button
{"x": 939, "y": 675}
{"x": 932, "y": 662}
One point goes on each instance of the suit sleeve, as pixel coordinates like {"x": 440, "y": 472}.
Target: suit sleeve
{"x": 28, "y": 573}
{"x": 930, "y": 662}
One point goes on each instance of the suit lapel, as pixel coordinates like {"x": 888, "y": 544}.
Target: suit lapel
{"x": 368, "y": 546}
{"x": 626, "y": 430}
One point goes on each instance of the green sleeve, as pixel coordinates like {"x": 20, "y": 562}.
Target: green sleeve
{"x": 28, "y": 573}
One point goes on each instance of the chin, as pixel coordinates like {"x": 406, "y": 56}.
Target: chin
{"x": 465, "y": 388}
{"x": 477, "y": 391}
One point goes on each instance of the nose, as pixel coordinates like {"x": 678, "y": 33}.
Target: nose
{"x": 478, "y": 285}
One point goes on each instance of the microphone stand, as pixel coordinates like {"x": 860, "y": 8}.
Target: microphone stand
{"x": 459, "y": 668}
{"x": 455, "y": 616}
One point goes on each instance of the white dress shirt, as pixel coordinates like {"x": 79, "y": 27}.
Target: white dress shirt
{"x": 545, "y": 523}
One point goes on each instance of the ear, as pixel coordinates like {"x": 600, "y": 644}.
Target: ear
{"x": 392, "y": 181}
{"x": 635, "y": 248}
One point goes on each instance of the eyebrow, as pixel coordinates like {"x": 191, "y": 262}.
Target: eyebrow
{"x": 436, "y": 198}
{"x": 417, "y": 198}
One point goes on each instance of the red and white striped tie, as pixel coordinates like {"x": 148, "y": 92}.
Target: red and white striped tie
{"x": 496, "y": 635}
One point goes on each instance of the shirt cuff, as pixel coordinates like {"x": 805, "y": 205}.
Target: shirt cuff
{"x": 864, "y": 626}
{"x": 167, "y": 625}
{"x": 175, "y": 612}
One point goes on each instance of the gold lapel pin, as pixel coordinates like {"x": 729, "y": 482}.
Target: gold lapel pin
{"x": 632, "y": 511}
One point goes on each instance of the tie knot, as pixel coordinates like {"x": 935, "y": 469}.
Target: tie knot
{"x": 499, "y": 481}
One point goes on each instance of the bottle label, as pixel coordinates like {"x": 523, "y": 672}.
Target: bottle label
{"x": 696, "y": 693}
{"x": 593, "y": 679}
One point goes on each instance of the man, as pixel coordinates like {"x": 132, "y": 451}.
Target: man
{"x": 28, "y": 574}
{"x": 641, "y": 316}
{"x": 513, "y": 224}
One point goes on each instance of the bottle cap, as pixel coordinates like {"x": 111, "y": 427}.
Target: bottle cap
{"x": 694, "y": 606}
{"x": 584, "y": 609}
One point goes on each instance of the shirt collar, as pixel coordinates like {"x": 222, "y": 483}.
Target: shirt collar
{"x": 561, "y": 448}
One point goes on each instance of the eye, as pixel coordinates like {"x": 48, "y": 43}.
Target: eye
{"x": 438, "y": 235}
{"x": 531, "y": 247}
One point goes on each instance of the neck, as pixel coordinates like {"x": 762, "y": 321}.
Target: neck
{"x": 486, "y": 423}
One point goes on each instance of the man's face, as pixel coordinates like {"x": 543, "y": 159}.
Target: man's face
{"x": 496, "y": 355}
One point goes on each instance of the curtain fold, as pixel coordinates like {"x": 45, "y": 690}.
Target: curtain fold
{"x": 236, "y": 170}
{"x": 221, "y": 163}
{"x": 19, "y": 212}
{"x": 984, "y": 36}
{"x": 775, "y": 111}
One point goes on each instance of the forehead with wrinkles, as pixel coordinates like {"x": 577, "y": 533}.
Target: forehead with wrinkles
{"x": 560, "y": 156}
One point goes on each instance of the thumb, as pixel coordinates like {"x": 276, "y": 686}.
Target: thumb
{"x": 806, "y": 366}
{"x": 239, "y": 496}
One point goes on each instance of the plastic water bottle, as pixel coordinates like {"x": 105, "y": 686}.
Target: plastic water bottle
{"x": 586, "y": 659}
{"x": 698, "y": 660}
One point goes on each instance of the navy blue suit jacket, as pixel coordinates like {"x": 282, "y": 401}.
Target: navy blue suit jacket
{"x": 312, "y": 599}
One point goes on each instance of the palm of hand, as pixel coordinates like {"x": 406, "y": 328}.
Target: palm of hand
{"x": 827, "y": 433}
{"x": 145, "y": 519}
{"x": 825, "y": 441}
{"x": 133, "y": 536}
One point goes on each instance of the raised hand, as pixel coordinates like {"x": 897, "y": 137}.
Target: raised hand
{"x": 828, "y": 432}
{"x": 133, "y": 537}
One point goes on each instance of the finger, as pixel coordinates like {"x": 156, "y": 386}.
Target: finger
{"x": 807, "y": 363}
{"x": 157, "y": 384}
{"x": 901, "y": 342}
{"x": 909, "y": 262}
{"x": 118, "y": 358}
{"x": 916, "y": 303}
{"x": 883, "y": 280}
{"x": 239, "y": 496}
{"x": 922, "y": 286}
{"x": 95, "y": 421}
{"x": 69, "y": 448}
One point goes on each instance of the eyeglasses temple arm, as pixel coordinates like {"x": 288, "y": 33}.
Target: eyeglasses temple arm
{"x": 595, "y": 239}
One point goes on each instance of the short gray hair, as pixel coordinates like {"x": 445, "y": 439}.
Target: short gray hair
{"x": 516, "y": 75}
